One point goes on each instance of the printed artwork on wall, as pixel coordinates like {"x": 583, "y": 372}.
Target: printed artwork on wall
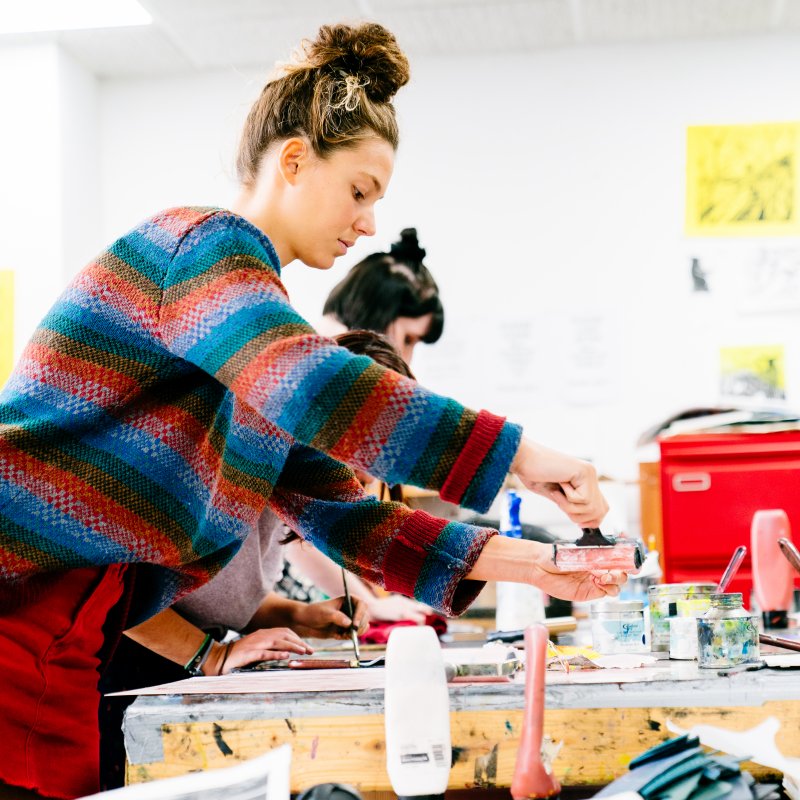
{"x": 742, "y": 180}
{"x": 755, "y": 371}
{"x": 6, "y": 324}
{"x": 771, "y": 279}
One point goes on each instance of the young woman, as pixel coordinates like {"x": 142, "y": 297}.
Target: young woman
{"x": 172, "y": 393}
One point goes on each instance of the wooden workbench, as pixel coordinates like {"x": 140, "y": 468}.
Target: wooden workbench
{"x": 339, "y": 736}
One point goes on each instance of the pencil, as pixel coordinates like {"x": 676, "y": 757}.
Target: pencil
{"x": 353, "y": 632}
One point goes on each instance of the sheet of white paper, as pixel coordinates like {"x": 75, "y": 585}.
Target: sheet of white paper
{"x": 624, "y": 661}
{"x": 756, "y": 744}
{"x": 784, "y": 660}
{"x": 262, "y": 778}
{"x": 275, "y": 682}
{"x": 581, "y": 676}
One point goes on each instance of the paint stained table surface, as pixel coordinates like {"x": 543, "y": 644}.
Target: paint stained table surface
{"x": 337, "y": 735}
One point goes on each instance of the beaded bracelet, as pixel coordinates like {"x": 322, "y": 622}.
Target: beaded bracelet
{"x": 194, "y": 666}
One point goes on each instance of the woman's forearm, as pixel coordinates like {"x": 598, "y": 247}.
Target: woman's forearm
{"x": 171, "y": 636}
{"x": 275, "y": 611}
{"x": 506, "y": 559}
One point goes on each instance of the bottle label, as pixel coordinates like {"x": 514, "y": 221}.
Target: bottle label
{"x": 414, "y": 758}
{"x": 419, "y": 753}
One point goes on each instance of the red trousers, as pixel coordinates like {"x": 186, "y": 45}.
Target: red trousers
{"x": 49, "y": 671}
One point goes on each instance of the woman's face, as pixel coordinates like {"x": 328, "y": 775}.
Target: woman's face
{"x": 405, "y": 333}
{"x": 332, "y": 202}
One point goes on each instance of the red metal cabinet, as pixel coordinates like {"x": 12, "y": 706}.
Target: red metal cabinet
{"x": 711, "y": 485}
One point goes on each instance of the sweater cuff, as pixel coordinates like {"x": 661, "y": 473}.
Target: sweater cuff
{"x": 479, "y": 471}
{"x": 486, "y": 429}
{"x": 429, "y": 559}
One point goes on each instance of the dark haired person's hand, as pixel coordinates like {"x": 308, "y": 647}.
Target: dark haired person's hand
{"x": 395, "y": 607}
{"x": 569, "y": 482}
{"x": 329, "y": 620}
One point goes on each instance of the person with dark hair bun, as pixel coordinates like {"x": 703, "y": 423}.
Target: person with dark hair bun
{"x": 391, "y": 293}
{"x": 172, "y": 394}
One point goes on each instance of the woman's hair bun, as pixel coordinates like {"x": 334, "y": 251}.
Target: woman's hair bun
{"x": 407, "y": 250}
{"x": 336, "y": 90}
{"x": 368, "y": 52}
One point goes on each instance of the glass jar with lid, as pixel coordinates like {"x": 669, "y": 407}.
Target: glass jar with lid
{"x": 727, "y": 634}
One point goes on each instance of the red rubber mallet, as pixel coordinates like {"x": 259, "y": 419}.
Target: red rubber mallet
{"x": 531, "y": 778}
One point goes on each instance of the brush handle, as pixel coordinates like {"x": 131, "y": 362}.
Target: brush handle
{"x": 321, "y": 663}
{"x": 777, "y": 641}
{"x": 790, "y": 551}
{"x": 353, "y": 632}
{"x": 733, "y": 565}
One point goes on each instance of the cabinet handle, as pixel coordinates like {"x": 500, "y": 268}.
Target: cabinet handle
{"x": 691, "y": 482}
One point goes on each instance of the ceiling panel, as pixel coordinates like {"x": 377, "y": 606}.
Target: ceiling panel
{"x": 118, "y": 52}
{"x": 789, "y": 15}
{"x": 446, "y": 28}
{"x": 201, "y": 34}
{"x": 636, "y": 20}
{"x": 177, "y": 12}
{"x": 244, "y": 32}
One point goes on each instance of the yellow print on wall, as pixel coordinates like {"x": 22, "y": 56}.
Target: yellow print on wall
{"x": 753, "y": 371}
{"x": 6, "y": 324}
{"x": 742, "y": 180}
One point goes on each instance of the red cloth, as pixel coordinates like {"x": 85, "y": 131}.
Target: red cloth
{"x": 48, "y": 706}
{"x": 378, "y": 631}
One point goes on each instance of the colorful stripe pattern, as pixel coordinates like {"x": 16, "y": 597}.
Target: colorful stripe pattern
{"x": 173, "y": 391}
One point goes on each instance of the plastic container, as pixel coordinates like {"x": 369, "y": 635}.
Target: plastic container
{"x": 417, "y": 713}
{"x": 727, "y": 634}
{"x": 683, "y": 628}
{"x": 664, "y": 605}
{"x": 683, "y": 638}
{"x": 618, "y": 627}
{"x": 773, "y": 575}
{"x": 518, "y": 604}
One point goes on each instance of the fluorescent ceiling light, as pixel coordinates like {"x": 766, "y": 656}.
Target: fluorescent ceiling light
{"x": 36, "y": 16}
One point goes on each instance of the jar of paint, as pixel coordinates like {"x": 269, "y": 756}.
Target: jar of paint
{"x": 618, "y": 627}
{"x": 683, "y": 638}
{"x": 664, "y": 605}
{"x": 683, "y": 628}
{"x": 727, "y": 634}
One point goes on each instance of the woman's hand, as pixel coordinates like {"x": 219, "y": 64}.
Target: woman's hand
{"x": 328, "y": 619}
{"x": 569, "y": 482}
{"x": 267, "y": 644}
{"x": 522, "y": 561}
{"x": 396, "y": 607}
{"x": 577, "y": 585}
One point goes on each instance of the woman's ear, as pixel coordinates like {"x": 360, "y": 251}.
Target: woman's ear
{"x": 293, "y": 156}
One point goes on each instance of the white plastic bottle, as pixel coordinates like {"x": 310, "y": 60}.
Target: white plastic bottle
{"x": 518, "y": 604}
{"x": 417, "y": 713}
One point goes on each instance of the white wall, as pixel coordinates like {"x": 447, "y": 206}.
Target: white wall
{"x": 549, "y": 192}
{"x": 80, "y": 165}
{"x": 49, "y": 168}
{"x": 30, "y": 199}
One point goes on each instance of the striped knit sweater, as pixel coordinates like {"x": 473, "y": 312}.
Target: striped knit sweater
{"x": 172, "y": 392}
